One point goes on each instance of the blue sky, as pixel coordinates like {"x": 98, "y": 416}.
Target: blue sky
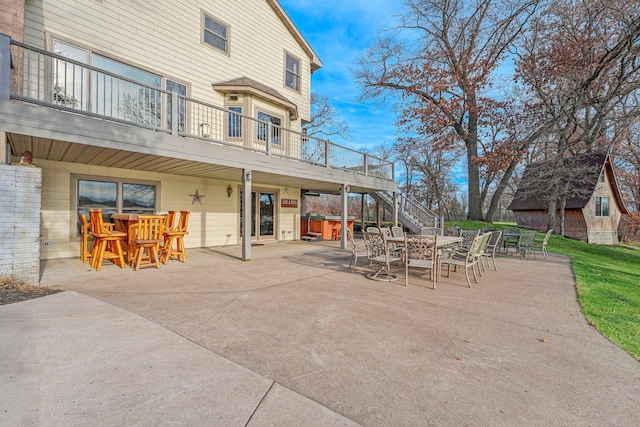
{"x": 340, "y": 31}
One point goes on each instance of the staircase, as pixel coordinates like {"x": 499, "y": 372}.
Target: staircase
{"x": 410, "y": 213}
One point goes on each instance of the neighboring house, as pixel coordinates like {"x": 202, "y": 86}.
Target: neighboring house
{"x": 593, "y": 208}
{"x": 140, "y": 106}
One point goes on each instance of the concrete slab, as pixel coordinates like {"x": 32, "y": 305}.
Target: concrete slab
{"x": 339, "y": 348}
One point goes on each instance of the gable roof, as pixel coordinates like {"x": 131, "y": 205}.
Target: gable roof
{"x": 315, "y": 61}
{"x": 590, "y": 166}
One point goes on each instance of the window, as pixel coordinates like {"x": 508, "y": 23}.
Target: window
{"x": 216, "y": 34}
{"x": 292, "y": 72}
{"x": 114, "y": 196}
{"x": 133, "y": 98}
{"x": 601, "y": 178}
{"x": 602, "y": 206}
{"x": 235, "y": 122}
{"x": 263, "y": 128}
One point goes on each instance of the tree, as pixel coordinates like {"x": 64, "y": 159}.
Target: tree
{"x": 324, "y": 122}
{"x": 443, "y": 72}
{"x": 580, "y": 67}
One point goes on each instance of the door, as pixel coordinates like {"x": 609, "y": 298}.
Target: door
{"x": 263, "y": 213}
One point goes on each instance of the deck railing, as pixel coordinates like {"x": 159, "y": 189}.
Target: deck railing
{"x": 55, "y": 81}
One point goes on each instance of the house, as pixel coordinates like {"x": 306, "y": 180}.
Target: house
{"x": 154, "y": 106}
{"x": 594, "y": 203}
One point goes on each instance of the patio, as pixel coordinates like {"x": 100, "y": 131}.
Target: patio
{"x": 293, "y": 337}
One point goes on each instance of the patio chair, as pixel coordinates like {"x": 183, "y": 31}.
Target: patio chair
{"x": 526, "y": 243}
{"x": 542, "y": 245}
{"x": 510, "y": 237}
{"x": 491, "y": 248}
{"x": 379, "y": 256}
{"x": 354, "y": 250}
{"x": 85, "y": 228}
{"x": 421, "y": 252}
{"x": 108, "y": 243}
{"x": 397, "y": 231}
{"x": 467, "y": 237}
{"x": 460, "y": 257}
{"x": 147, "y": 238}
{"x": 482, "y": 247}
{"x": 175, "y": 234}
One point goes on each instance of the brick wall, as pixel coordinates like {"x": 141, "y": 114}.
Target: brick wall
{"x": 20, "y": 205}
{"x": 12, "y": 19}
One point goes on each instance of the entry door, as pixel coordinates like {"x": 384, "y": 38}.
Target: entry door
{"x": 262, "y": 215}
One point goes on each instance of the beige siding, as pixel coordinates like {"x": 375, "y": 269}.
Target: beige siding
{"x": 602, "y": 229}
{"x": 164, "y": 37}
{"x": 209, "y": 223}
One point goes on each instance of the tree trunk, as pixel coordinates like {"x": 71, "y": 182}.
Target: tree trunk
{"x": 551, "y": 214}
{"x": 563, "y": 204}
{"x": 497, "y": 195}
{"x": 475, "y": 201}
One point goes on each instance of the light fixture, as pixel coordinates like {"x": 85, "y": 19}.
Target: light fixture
{"x": 233, "y": 96}
{"x": 206, "y": 130}
{"x": 229, "y": 191}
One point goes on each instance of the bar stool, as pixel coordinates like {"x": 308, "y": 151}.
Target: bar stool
{"x": 176, "y": 234}
{"x": 85, "y": 253}
{"x": 147, "y": 237}
{"x": 108, "y": 243}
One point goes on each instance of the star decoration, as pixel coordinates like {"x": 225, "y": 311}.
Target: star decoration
{"x": 197, "y": 197}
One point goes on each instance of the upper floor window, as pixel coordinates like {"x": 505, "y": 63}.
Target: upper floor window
{"x": 602, "y": 206}
{"x": 263, "y": 128}
{"x": 216, "y": 34}
{"x": 292, "y": 72}
{"x": 601, "y": 178}
{"x": 235, "y": 122}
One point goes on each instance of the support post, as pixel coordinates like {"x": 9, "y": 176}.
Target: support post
{"x": 5, "y": 66}
{"x": 344, "y": 205}
{"x": 246, "y": 214}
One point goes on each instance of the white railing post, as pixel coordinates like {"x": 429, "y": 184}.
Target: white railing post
{"x": 269, "y": 137}
{"x": 327, "y": 152}
{"x": 366, "y": 164}
{"x": 175, "y": 113}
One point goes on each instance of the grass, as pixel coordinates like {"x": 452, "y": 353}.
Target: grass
{"x": 608, "y": 285}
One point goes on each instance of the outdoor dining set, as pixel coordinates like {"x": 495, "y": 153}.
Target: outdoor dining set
{"x": 389, "y": 248}
{"x": 133, "y": 239}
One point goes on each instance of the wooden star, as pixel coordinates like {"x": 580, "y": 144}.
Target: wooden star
{"x": 197, "y": 197}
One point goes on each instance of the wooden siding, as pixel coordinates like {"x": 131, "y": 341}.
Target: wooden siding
{"x": 574, "y": 224}
{"x": 164, "y": 37}
{"x": 209, "y": 223}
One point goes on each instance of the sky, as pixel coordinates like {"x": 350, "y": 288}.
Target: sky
{"x": 339, "y": 31}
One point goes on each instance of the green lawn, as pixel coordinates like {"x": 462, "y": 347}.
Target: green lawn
{"x": 608, "y": 282}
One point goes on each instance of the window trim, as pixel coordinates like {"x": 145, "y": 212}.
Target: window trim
{"x": 286, "y": 71}
{"x": 203, "y": 16}
{"x": 119, "y": 180}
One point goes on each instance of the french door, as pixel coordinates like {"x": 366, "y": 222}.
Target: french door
{"x": 263, "y": 213}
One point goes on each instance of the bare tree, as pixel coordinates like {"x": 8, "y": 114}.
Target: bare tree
{"x": 444, "y": 72}
{"x": 324, "y": 122}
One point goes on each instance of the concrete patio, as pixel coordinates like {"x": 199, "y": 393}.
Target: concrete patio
{"x": 292, "y": 337}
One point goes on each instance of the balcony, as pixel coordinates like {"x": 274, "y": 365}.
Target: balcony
{"x": 42, "y": 78}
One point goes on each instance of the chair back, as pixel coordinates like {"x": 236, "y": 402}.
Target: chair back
{"x": 373, "y": 229}
{"x": 484, "y": 243}
{"x": 494, "y": 240}
{"x": 375, "y": 244}
{"x": 183, "y": 221}
{"x": 149, "y": 227}
{"x": 474, "y": 248}
{"x": 169, "y": 220}
{"x": 350, "y": 238}
{"x": 420, "y": 248}
{"x": 386, "y": 231}
{"x": 84, "y": 224}
{"x": 527, "y": 237}
{"x": 97, "y": 222}
{"x": 546, "y": 237}
{"x": 397, "y": 231}
{"x": 467, "y": 237}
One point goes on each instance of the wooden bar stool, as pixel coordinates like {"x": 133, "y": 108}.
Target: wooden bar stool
{"x": 108, "y": 243}
{"x": 176, "y": 234}
{"x": 85, "y": 253}
{"x": 147, "y": 237}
